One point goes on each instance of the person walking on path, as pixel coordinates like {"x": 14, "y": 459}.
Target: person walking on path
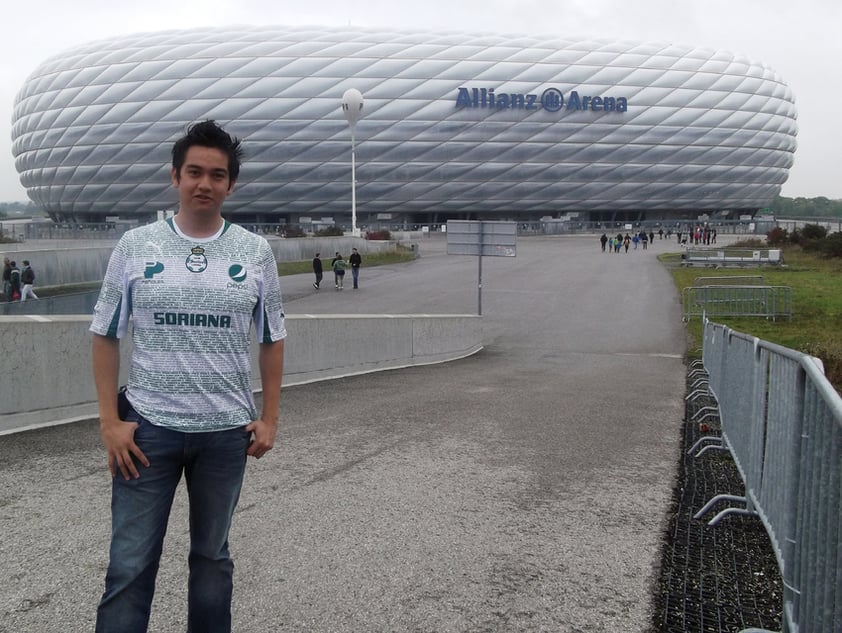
{"x": 7, "y": 279}
{"x": 194, "y": 286}
{"x": 355, "y": 260}
{"x": 14, "y": 282}
{"x": 27, "y": 279}
{"x": 317, "y": 270}
{"x": 338, "y": 266}
{"x": 603, "y": 239}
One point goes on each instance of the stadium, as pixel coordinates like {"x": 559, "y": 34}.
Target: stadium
{"x": 454, "y": 126}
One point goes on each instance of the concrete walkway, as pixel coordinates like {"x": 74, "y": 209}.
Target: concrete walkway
{"x": 522, "y": 489}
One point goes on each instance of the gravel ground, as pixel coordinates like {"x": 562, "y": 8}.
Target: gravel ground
{"x": 722, "y": 578}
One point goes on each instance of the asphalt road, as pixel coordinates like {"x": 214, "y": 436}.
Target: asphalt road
{"x": 522, "y": 489}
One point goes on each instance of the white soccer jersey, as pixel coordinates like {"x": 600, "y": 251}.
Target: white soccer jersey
{"x": 192, "y": 304}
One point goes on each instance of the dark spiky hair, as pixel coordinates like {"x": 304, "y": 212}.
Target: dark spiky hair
{"x": 209, "y": 134}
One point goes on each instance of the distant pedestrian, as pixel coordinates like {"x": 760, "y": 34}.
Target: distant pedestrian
{"x": 27, "y": 279}
{"x": 7, "y": 279}
{"x": 626, "y": 242}
{"x": 14, "y": 282}
{"x": 603, "y": 239}
{"x": 317, "y": 269}
{"x": 355, "y": 261}
{"x": 651, "y": 237}
{"x": 338, "y": 265}
{"x": 635, "y": 240}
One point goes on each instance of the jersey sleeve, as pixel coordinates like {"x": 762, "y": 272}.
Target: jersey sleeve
{"x": 269, "y": 324}
{"x": 113, "y": 308}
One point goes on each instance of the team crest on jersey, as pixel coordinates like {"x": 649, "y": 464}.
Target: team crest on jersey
{"x": 196, "y": 261}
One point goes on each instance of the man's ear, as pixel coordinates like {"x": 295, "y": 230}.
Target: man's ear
{"x": 176, "y": 179}
{"x": 231, "y": 184}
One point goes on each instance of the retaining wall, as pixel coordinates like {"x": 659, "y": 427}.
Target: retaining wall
{"x": 74, "y": 264}
{"x": 47, "y": 377}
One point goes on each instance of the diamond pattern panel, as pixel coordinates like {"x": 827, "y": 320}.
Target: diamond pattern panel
{"x": 93, "y": 126}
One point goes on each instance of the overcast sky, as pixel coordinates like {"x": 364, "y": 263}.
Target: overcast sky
{"x": 802, "y": 41}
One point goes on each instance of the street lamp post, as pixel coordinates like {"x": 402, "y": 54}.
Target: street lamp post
{"x": 352, "y": 108}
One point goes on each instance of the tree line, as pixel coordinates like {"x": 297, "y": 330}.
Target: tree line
{"x": 819, "y": 207}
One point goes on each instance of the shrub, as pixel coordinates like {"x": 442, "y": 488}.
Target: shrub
{"x": 294, "y": 231}
{"x": 833, "y": 245}
{"x": 378, "y": 235}
{"x": 777, "y": 236}
{"x": 830, "y": 246}
{"x": 330, "y": 231}
{"x": 813, "y": 232}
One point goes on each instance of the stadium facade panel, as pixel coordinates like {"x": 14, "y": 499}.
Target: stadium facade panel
{"x": 454, "y": 124}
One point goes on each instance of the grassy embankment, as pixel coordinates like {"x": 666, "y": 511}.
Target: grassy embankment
{"x": 816, "y": 300}
{"x": 400, "y": 255}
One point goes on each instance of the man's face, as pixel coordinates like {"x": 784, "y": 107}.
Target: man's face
{"x": 204, "y": 181}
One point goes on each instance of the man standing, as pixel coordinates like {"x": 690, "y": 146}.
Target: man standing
{"x": 14, "y": 281}
{"x": 27, "y": 278}
{"x": 7, "y": 279}
{"x": 193, "y": 285}
{"x": 317, "y": 269}
{"x": 355, "y": 261}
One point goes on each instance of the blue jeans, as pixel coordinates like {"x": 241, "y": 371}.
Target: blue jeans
{"x": 213, "y": 464}
{"x": 355, "y": 271}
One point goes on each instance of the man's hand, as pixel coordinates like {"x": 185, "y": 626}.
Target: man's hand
{"x": 118, "y": 438}
{"x": 264, "y": 437}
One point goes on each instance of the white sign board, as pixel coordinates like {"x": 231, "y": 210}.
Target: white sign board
{"x": 478, "y": 237}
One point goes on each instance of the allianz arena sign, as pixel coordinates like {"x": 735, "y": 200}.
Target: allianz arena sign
{"x": 551, "y": 100}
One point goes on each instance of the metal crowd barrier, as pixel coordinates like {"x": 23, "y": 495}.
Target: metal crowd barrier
{"x": 739, "y": 280}
{"x": 782, "y": 422}
{"x": 771, "y": 302}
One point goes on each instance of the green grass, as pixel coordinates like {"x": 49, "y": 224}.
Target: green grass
{"x": 816, "y": 300}
{"x": 399, "y": 256}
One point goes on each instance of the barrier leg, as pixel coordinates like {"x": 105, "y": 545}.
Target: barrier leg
{"x": 728, "y": 511}
{"x": 705, "y": 412}
{"x": 702, "y": 440}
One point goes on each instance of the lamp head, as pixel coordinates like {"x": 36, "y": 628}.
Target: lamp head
{"x": 352, "y": 105}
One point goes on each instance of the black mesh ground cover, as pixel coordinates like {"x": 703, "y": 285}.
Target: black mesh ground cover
{"x": 722, "y": 578}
